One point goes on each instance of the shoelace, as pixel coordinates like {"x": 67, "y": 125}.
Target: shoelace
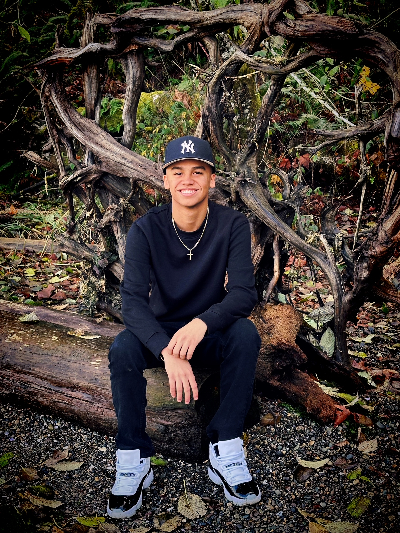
{"x": 235, "y": 469}
{"x": 128, "y": 478}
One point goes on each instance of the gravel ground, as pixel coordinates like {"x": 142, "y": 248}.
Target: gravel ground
{"x": 289, "y": 491}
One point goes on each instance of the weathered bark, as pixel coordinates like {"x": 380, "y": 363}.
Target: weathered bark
{"x": 282, "y": 360}
{"x": 133, "y": 65}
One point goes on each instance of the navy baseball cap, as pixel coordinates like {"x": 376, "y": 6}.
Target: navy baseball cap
{"x": 188, "y": 147}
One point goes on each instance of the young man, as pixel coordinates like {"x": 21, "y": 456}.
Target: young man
{"x": 178, "y": 313}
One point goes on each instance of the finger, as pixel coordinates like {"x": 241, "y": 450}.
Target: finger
{"x": 176, "y": 349}
{"x": 172, "y": 388}
{"x": 168, "y": 350}
{"x": 183, "y": 352}
{"x": 172, "y": 344}
{"x": 193, "y": 384}
{"x": 187, "y": 391}
{"x": 176, "y": 352}
{"x": 190, "y": 352}
{"x": 178, "y": 391}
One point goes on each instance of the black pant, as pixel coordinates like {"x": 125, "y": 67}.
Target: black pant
{"x": 234, "y": 350}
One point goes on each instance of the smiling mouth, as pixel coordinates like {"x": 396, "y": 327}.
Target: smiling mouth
{"x": 188, "y": 192}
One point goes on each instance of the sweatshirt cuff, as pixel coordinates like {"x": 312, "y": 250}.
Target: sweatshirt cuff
{"x": 212, "y": 321}
{"x": 157, "y": 343}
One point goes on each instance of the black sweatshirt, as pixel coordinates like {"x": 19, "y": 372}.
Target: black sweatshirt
{"x": 161, "y": 283}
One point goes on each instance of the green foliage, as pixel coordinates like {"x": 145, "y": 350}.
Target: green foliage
{"x": 164, "y": 115}
{"x": 111, "y": 114}
{"x": 34, "y": 218}
{"x": 5, "y": 459}
{"x": 217, "y": 4}
{"x": 132, "y": 5}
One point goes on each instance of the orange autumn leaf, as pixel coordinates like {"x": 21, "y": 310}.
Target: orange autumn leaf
{"x": 285, "y": 163}
{"x": 275, "y": 179}
{"x": 342, "y": 413}
{"x": 304, "y": 160}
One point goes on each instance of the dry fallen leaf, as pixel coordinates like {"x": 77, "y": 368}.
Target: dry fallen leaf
{"x": 313, "y": 464}
{"x": 368, "y": 446}
{"x": 58, "y": 455}
{"x": 342, "y": 443}
{"x": 362, "y": 419}
{"x": 29, "y": 474}
{"x": 341, "y": 415}
{"x": 341, "y": 527}
{"x": 171, "y": 524}
{"x": 321, "y": 525}
{"x": 43, "y": 502}
{"x": 167, "y": 525}
{"x": 30, "y": 317}
{"x": 191, "y": 506}
{"x": 105, "y": 527}
{"x": 67, "y": 466}
{"x": 140, "y": 529}
{"x": 314, "y": 527}
{"x": 270, "y": 419}
{"x": 301, "y": 473}
{"x": 82, "y": 334}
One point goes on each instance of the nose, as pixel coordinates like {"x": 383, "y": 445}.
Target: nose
{"x": 187, "y": 177}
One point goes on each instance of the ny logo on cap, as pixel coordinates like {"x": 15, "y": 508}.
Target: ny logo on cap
{"x": 188, "y": 146}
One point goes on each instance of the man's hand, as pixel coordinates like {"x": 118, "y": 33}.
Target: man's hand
{"x": 180, "y": 376}
{"x": 185, "y": 340}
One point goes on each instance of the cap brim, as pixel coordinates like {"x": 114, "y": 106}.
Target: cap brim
{"x": 185, "y": 159}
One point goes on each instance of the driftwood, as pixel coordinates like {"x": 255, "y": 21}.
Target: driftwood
{"x": 59, "y": 364}
{"x": 286, "y": 371}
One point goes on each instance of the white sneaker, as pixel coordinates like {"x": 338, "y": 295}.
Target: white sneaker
{"x": 133, "y": 476}
{"x": 228, "y": 467}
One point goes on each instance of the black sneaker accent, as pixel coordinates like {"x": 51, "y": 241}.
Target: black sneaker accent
{"x": 241, "y": 491}
{"x": 244, "y": 489}
{"x": 120, "y": 506}
{"x": 123, "y": 503}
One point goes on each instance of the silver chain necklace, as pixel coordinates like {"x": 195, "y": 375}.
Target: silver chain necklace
{"x": 202, "y": 233}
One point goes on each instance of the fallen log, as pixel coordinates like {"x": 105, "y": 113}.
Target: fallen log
{"x": 45, "y": 246}
{"x": 59, "y": 364}
{"x": 42, "y": 246}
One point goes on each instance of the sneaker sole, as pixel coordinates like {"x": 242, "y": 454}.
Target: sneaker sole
{"x": 231, "y": 497}
{"x": 117, "y": 513}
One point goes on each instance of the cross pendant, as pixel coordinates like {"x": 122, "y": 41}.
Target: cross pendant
{"x": 190, "y": 255}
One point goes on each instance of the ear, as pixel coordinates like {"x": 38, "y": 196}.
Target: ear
{"x": 166, "y": 182}
{"x": 212, "y": 181}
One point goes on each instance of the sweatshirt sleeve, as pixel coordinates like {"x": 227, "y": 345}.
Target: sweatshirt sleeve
{"x": 241, "y": 294}
{"x": 136, "y": 311}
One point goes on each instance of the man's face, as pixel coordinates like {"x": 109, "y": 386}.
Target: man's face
{"x": 189, "y": 182}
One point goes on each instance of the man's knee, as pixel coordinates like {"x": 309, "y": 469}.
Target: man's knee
{"x": 245, "y": 333}
{"x": 124, "y": 351}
